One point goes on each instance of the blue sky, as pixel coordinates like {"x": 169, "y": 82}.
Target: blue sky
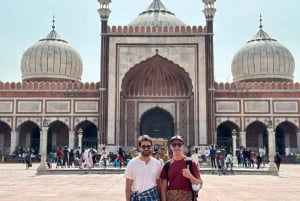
{"x": 23, "y": 23}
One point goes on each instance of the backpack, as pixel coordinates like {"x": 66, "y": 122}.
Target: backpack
{"x": 187, "y": 162}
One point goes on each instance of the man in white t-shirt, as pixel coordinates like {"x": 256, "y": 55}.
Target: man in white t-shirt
{"x": 142, "y": 174}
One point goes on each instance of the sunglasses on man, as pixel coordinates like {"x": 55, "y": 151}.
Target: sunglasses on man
{"x": 176, "y": 145}
{"x": 146, "y": 147}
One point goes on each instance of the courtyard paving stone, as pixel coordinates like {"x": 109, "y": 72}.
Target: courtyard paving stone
{"x": 19, "y": 184}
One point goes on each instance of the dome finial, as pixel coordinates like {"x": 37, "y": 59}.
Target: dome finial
{"x": 53, "y": 22}
{"x": 260, "y": 22}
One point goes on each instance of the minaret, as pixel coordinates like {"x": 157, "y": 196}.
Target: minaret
{"x": 209, "y": 12}
{"x": 104, "y": 13}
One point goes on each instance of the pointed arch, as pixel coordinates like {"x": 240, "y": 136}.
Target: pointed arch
{"x": 256, "y": 135}
{"x": 157, "y": 76}
{"x": 286, "y": 138}
{"x": 5, "y": 137}
{"x": 224, "y": 134}
{"x": 90, "y": 136}
{"x": 157, "y": 123}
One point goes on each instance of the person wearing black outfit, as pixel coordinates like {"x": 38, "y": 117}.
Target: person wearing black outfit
{"x": 258, "y": 160}
{"x": 65, "y": 157}
{"x": 28, "y": 159}
{"x": 277, "y": 160}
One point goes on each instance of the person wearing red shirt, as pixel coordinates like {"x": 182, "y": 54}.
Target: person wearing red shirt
{"x": 178, "y": 182}
{"x": 59, "y": 155}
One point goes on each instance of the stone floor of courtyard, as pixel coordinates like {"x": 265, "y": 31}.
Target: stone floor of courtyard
{"x": 19, "y": 184}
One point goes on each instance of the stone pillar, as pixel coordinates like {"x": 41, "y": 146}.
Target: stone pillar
{"x": 234, "y": 149}
{"x": 13, "y": 142}
{"x": 233, "y": 135}
{"x": 271, "y": 142}
{"x": 41, "y": 145}
{"x": 17, "y": 138}
{"x": 43, "y": 149}
{"x": 298, "y": 142}
{"x": 71, "y": 140}
{"x": 243, "y": 138}
{"x": 80, "y": 135}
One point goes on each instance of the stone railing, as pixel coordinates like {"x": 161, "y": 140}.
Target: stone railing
{"x": 157, "y": 29}
{"x": 49, "y": 86}
{"x": 257, "y": 86}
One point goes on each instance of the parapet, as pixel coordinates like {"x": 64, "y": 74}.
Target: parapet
{"x": 257, "y": 86}
{"x": 157, "y": 29}
{"x": 49, "y": 86}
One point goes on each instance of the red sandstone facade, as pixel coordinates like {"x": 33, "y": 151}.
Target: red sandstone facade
{"x": 157, "y": 80}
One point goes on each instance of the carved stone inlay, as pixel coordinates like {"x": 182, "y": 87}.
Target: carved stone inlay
{"x": 286, "y": 106}
{"x": 6, "y": 106}
{"x": 8, "y": 121}
{"x": 30, "y": 106}
{"x": 257, "y": 106}
{"x": 143, "y": 107}
{"x": 227, "y": 106}
{"x": 58, "y": 106}
{"x": 86, "y": 106}
{"x": 220, "y": 120}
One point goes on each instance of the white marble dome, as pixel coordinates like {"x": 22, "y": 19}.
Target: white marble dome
{"x": 156, "y": 15}
{"x": 263, "y": 59}
{"x": 51, "y": 59}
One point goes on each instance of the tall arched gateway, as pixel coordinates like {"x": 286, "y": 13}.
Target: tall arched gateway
{"x": 156, "y": 99}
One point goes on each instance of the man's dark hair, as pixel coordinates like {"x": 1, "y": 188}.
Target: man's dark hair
{"x": 144, "y": 138}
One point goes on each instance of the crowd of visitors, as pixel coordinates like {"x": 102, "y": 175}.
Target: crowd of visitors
{"x": 219, "y": 158}
{"x": 88, "y": 157}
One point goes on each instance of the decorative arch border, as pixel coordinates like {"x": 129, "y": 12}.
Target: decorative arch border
{"x": 186, "y": 80}
{"x": 22, "y": 120}
{"x": 235, "y": 125}
{"x": 80, "y": 120}
{"x": 163, "y": 106}
{"x": 294, "y": 121}
{"x": 234, "y": 120}
{"x": 6, "y": 122}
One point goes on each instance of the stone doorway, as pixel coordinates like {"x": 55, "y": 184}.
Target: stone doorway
{"x": 157, "y": 123}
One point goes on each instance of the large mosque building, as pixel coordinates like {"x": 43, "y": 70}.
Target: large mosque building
{"x": 157, "y": 77}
